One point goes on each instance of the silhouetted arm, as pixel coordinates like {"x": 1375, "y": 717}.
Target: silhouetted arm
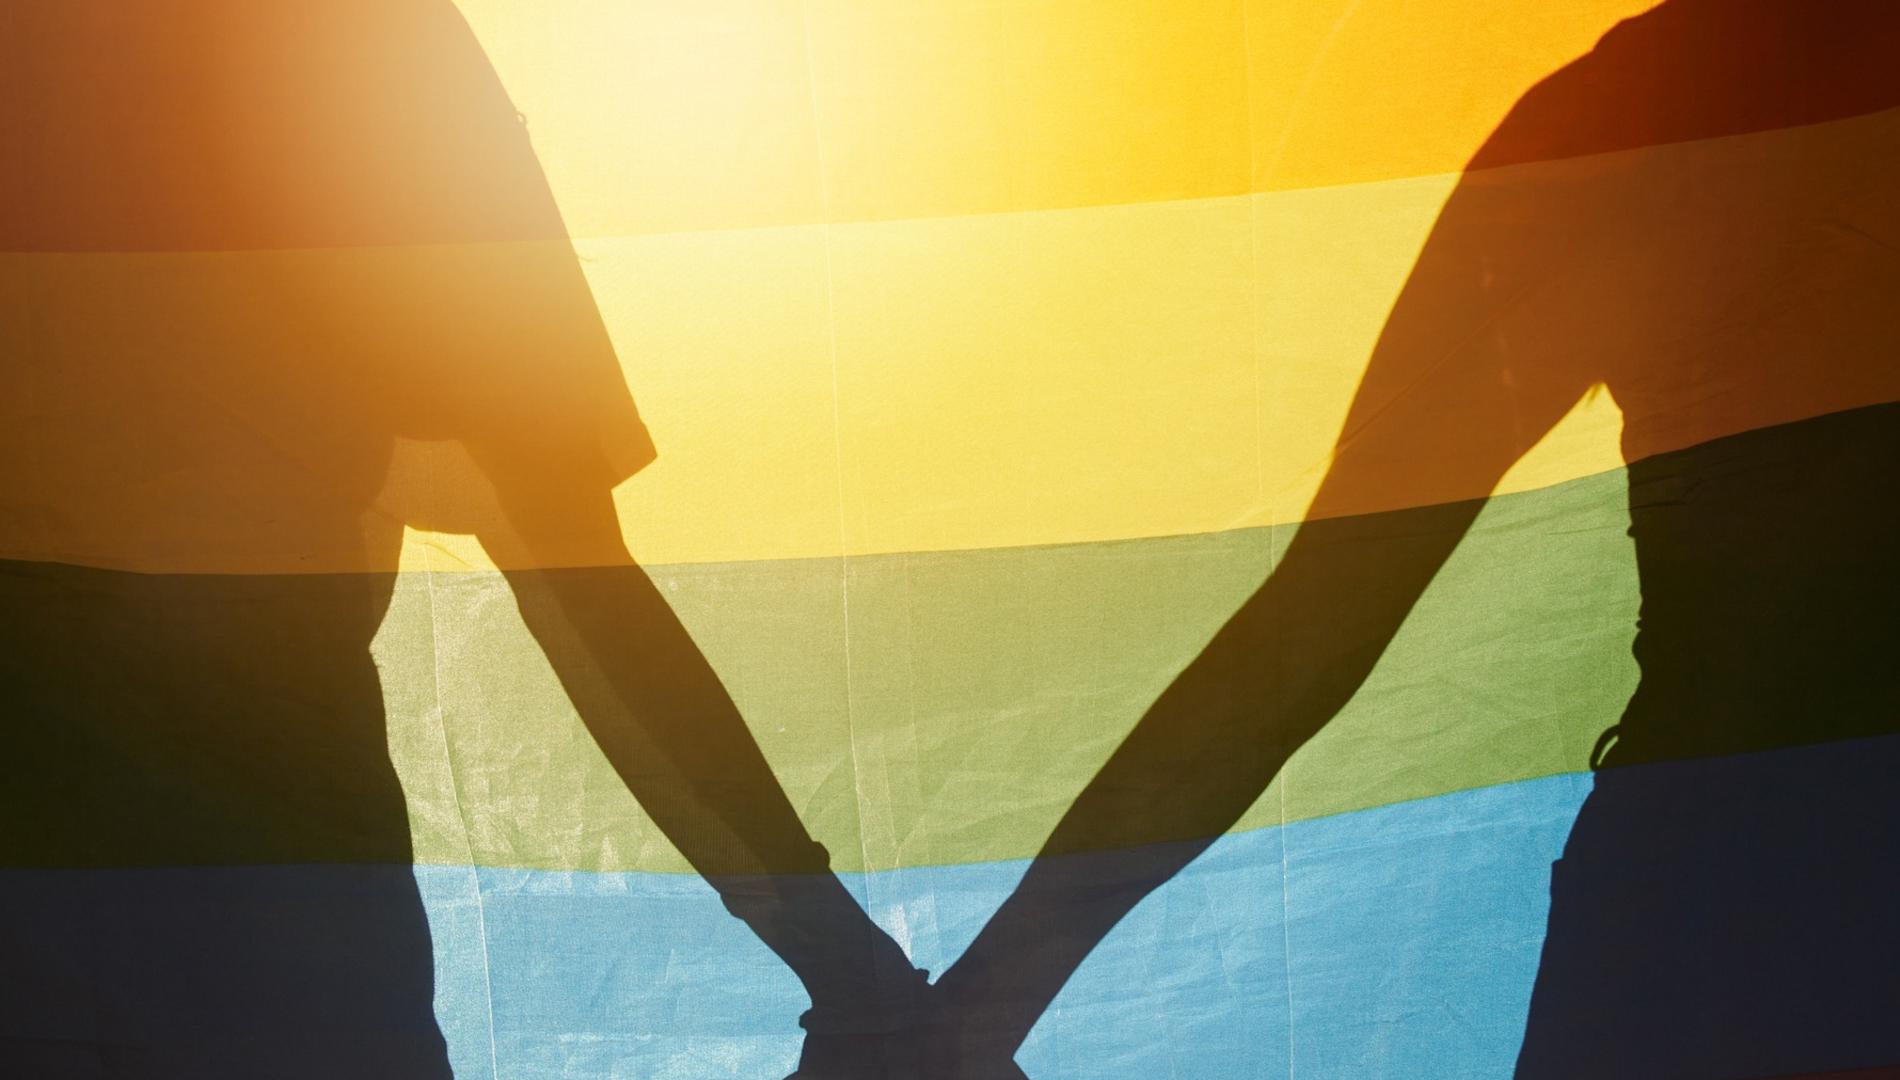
{"x": 1464, "y": 379}
{"x": 640, "y": 684}
{"x": 670, "y": 730}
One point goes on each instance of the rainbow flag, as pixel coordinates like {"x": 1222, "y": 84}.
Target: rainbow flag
{"x": 843, "y": 538}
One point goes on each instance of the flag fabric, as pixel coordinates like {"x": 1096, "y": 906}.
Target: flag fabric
{"x": 1254, "y": 539}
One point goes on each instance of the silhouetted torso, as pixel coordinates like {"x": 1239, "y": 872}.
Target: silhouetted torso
{"x": 252, "y": 247}
{"x": 257, "y": 262}
{"x": 1724, "y": 270}
{"x": 1698, "y": 217}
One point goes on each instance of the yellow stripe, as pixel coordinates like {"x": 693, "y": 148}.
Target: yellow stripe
{"x": 998, "y": 380}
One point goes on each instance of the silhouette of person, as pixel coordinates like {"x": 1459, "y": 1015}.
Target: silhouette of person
{"x": 252, "y": 250}
{"x": 1701, "y": 215}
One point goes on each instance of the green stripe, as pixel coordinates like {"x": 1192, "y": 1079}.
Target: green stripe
{"x": 966, "y": 697}
{"x": 986, "y": 687}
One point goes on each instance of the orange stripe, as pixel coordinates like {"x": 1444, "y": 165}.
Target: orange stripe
{"x": 220, "y": 124}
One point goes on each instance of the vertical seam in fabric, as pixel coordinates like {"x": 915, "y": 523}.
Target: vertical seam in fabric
{"x": 1286, "y": 921}
{"x": 455, "y": 792}
{"x": 837, "y": 436}
{"x": 1254, "y": 329}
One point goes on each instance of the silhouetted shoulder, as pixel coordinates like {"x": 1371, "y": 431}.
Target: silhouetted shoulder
{"x": 1699, "y": 69}
{"x": 229, "y": 125}
{"x": 251, "y": 243}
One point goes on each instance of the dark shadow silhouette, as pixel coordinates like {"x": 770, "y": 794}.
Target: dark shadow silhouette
{"x": 250, "y": 249}
{"x": 1723, "y": 262}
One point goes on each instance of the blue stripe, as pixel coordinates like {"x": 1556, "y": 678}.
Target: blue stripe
{"x": 1720, "y": 917}
{"x": 1414, "y": 930}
